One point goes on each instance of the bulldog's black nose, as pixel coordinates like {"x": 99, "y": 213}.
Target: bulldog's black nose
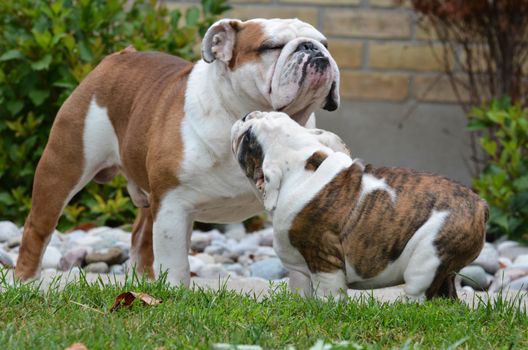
{"x": 307, "y": 46}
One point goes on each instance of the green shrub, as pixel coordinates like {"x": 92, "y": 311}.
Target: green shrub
{"x": 504, "y": 181}
{"x": 46, "y": 49}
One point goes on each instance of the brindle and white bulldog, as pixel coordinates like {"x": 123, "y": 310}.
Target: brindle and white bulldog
{"x": 341, "y": 224}
{"x": 165, "y": 124}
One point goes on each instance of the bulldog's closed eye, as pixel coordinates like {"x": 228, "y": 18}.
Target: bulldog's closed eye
{"x": 270, "y": 47}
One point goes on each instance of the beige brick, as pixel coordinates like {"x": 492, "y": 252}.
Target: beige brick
{"x": 183, "y": 7}
{"x": 425, "y": 30}
{"x": 374, "y": 86}
{"x": 436, "y": 89}
{"x": 367, "y": 23}
{"x": 419, "y": 57}
{"x": 347, "y": 54}
{"x": 249, "y": 1}
{"x": 389, "y": 3}
{"x": 306, "y": 14}
{"x": 479, "y": 61}
{"x": 323, "y": 2}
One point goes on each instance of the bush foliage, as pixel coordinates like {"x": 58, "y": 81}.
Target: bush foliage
{"x": 504, "y": 181}
{"x": 46, "y": 49}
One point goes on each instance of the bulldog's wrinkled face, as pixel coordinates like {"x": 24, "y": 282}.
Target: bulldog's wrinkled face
{"x": 267, "y": 143}
{"x": 283, "y": 63}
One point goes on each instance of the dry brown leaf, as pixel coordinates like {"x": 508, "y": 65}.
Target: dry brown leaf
{"x": 77, "y": 346}
{"x": 127, "y": 298}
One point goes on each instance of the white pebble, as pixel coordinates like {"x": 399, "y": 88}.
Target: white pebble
{"x": 8, "y": 230}
{"x": 506, "y": 244}
{"x": 200, "y": 240}
{"x": 195, "y": 264}
{"x": 266, "y": 237}
{"x": 215, "y": 249}
{"x": 88, "y": 240}
{"x": 51, "y": 258}
{"x": 206, "y": 258}
{"x": 265, "y": 251}
{"x": 504, "y": 262}
{"x": 521, "y": 259}
{"x": 235, "y": 231}
{"x": 213, "y": 271}
{"x": 488, "y": 259}
{"x": 249, "y": 243}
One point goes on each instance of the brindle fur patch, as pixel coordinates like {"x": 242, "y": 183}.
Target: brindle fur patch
{"x": 315, "y": 160}
{"x": 250, "y": 156}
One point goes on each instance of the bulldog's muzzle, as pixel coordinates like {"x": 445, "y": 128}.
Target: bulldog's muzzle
{"x": 305, "y": 70}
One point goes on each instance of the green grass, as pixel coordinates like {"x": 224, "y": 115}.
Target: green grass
{"x": 31, "y": 319}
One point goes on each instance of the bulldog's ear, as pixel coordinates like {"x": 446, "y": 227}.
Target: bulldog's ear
{"x": 219, "y": 40}
{"x": 332, "y": 99}
{"x": 272, "y": 184}
{"x": 331, "y": 140}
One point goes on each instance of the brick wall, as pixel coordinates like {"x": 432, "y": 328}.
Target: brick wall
{"x": 383, "y": 54}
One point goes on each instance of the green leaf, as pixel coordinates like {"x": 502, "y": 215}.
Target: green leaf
{"x": 191, "y": 16}
{"x": 476, "y": 124}
{"x": 84, "y": 51}
{"x": 11, "y": 55}
{"x": 521, "y": 184}
{"x": 43, "y": 39}
{"x": 38, "y": 96}
{"x": 64, "y": 84}
{"x": 69, "y": 41}
{"x": 43, "y": 63}
{"x": 56, "y": 7}
{"x": 175, "y": 18}
{"x": 5, "y": 198}
{"x": 489, "y": 146}
{"x": 519, "y": 202}
{"x": 14, "y": 106}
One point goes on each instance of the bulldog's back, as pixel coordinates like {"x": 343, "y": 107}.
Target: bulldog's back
{"x": 135, "y": 91}
{"x": 137, "y": 86}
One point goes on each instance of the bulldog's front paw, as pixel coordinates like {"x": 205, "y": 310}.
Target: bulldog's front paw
{"x": 330, "y": 285}
{"x": 300, "y": 283}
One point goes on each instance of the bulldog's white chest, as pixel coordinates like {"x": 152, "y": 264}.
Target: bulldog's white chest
{"x": 210, "y": 178}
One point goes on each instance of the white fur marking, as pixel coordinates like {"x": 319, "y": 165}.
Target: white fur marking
{"x": 424, "y": 261}
{"x": 416, "y": 265}
{"x": 370, "y": 183}
{"x": 100, "y": 145}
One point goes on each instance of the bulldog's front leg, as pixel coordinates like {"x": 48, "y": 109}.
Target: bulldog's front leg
{"x": 329, "y": 284}
{"x": 300, "y": 283}
{"x": 171, "y": 238}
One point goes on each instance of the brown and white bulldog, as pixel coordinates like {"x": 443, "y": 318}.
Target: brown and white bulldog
{"x": 165, "y": 124}
{"x": 339, "y": 224}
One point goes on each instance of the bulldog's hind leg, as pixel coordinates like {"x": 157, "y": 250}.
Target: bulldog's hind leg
{"x": 78, "y": 148}
{"x": 54, "y": 184}
{"x": 443, "y": 285}
{"x": 141, "y": 253}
